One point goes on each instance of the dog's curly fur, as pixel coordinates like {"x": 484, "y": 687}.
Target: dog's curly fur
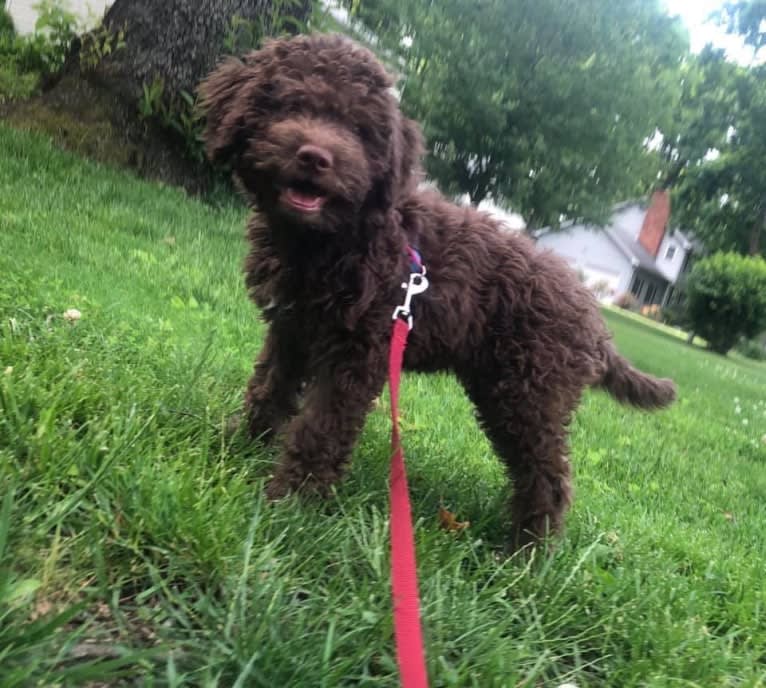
{"x": 315, "y": 136}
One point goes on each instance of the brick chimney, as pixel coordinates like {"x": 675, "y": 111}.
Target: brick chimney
{"x": 656, "y": 220}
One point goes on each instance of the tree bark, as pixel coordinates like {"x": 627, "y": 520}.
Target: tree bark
{"x": 478, "y": 186}
{"x": 178, "y": 41}
{"x": 94, "y": 110}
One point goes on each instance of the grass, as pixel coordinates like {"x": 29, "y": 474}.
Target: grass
{"x": 136, "y": 547}
{"x": 637, "y": 317}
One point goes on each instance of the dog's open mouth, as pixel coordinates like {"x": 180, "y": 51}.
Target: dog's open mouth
{"x": 304, "y": 197}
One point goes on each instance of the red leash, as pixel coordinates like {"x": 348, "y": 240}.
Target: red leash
{"x": 404, "y": 576}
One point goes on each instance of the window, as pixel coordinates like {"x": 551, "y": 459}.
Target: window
{"x": 651, "y": 292}
{"x": 638, "y": 285}
{"x": 670, "y": 252}
{"x": 670, "y": 295}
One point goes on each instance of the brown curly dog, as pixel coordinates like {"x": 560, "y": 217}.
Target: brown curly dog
{"x": 314, "y": 134}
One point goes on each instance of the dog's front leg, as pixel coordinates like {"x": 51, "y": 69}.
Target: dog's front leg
{"x": 319, "y": 441}
{"x": 271, "y": 399}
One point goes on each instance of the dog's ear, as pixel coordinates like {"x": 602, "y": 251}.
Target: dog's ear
{"x": 224, "y": 100}
{"x": 404, "y": 169}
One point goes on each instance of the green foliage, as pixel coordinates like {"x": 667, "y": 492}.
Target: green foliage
{"x": 752, "y": 348}
{"x": 676, "y": 315}
{"x": 150, "y": 103}
{"x": 98, "y": 44}
{"x": 15, "y": 84}
{"x": 7, "y": 29}
{"x": 540, "y": 104}
{"x": 179, "y": 114}
{"x": 280, "y": 18}
{"x": 26, "y": 61}
{"x": 33, "y": 637}
{"x": 726, "y": 299}
{"x": 127, "y": 490}
{"x": 714, "y": 151}
{"x": 747, "y": 18}
{"x": 55, "y": 29}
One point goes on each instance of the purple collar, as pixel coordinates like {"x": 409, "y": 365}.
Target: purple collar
{"x": 416, "y": 262}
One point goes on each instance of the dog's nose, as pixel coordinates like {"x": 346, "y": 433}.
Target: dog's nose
{"x": 316, "y": 157}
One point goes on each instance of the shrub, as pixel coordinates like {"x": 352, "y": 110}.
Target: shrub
{"x": 25, "y": 61}
{"x": 15, "y": 84}
{"x": 627, "y": 301}
{"x": 55, "y": 29}
{"x": 601, "y": 289}
{"x": 752, "y": 348}
{"x": 652, "y": 311}
{"x": 675, "y": 315}
{"x": 7, "y": 29}
{"x": 727, "y": 299}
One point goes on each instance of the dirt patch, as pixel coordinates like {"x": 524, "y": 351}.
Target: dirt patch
{"x": 85, "y": 119}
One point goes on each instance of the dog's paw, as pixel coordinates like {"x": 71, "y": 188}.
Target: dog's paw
{"x": 310, "y": 486}
{"x": 246, "y": 422}
{"x": 262, "y": 425}
{"x": 277, "y": 489}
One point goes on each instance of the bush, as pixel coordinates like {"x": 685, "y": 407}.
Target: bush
{"x": 15, "y": 84}
{"x": 25, "y": 61}
{"x": 7, "y": 29}
{"x": 55, "y": 29}
{"x": 727, "y": 299}
{"x": 601, "y": 289}
{"x": 627, "y": 301}
{"x": 676, "y": 316}
{"x": 652, "y": 311}
{"x": 752, "y": 348}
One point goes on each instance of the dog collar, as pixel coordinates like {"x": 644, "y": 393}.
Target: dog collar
{"x": 416, "y": 262}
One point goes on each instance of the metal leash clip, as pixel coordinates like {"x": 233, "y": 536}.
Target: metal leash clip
{"x": 417, "y": 284}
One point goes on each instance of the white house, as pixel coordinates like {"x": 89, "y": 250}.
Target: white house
{"x": 510, "y": 220}
{"x": 24, "y": 15}
{"x": 635, "y": 252}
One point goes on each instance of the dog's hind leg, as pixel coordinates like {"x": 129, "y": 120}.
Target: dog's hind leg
{"x": 530, "y": 437}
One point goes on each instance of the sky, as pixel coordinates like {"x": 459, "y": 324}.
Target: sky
{"x": 694, "y": 13}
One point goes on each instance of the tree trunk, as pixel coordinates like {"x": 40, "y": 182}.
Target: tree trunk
{"x": 178, "y": 41}
{"x": 94, "y": 109}
{"x": 478, "y": 187}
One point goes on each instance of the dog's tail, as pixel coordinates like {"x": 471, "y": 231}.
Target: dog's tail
{"x": 630, "y": 386}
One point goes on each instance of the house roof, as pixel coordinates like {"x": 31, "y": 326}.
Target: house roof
{"x": 626, "y": 240}
{"x": 623, "y": 229}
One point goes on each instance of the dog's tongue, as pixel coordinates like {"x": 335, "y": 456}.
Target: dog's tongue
{"x": 303, "y": 201}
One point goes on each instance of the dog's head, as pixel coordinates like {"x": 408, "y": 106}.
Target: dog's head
{"x": 312, "y": 130}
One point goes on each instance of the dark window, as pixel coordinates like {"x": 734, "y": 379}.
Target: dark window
{"x": 638, "y": 285}
{"x": 671, "y": 294}
{"x": 651, "y": 292}
{"x": 670, "y": 252}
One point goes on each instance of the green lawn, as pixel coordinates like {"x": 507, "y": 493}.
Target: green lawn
{"x": 122, "y": 495}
